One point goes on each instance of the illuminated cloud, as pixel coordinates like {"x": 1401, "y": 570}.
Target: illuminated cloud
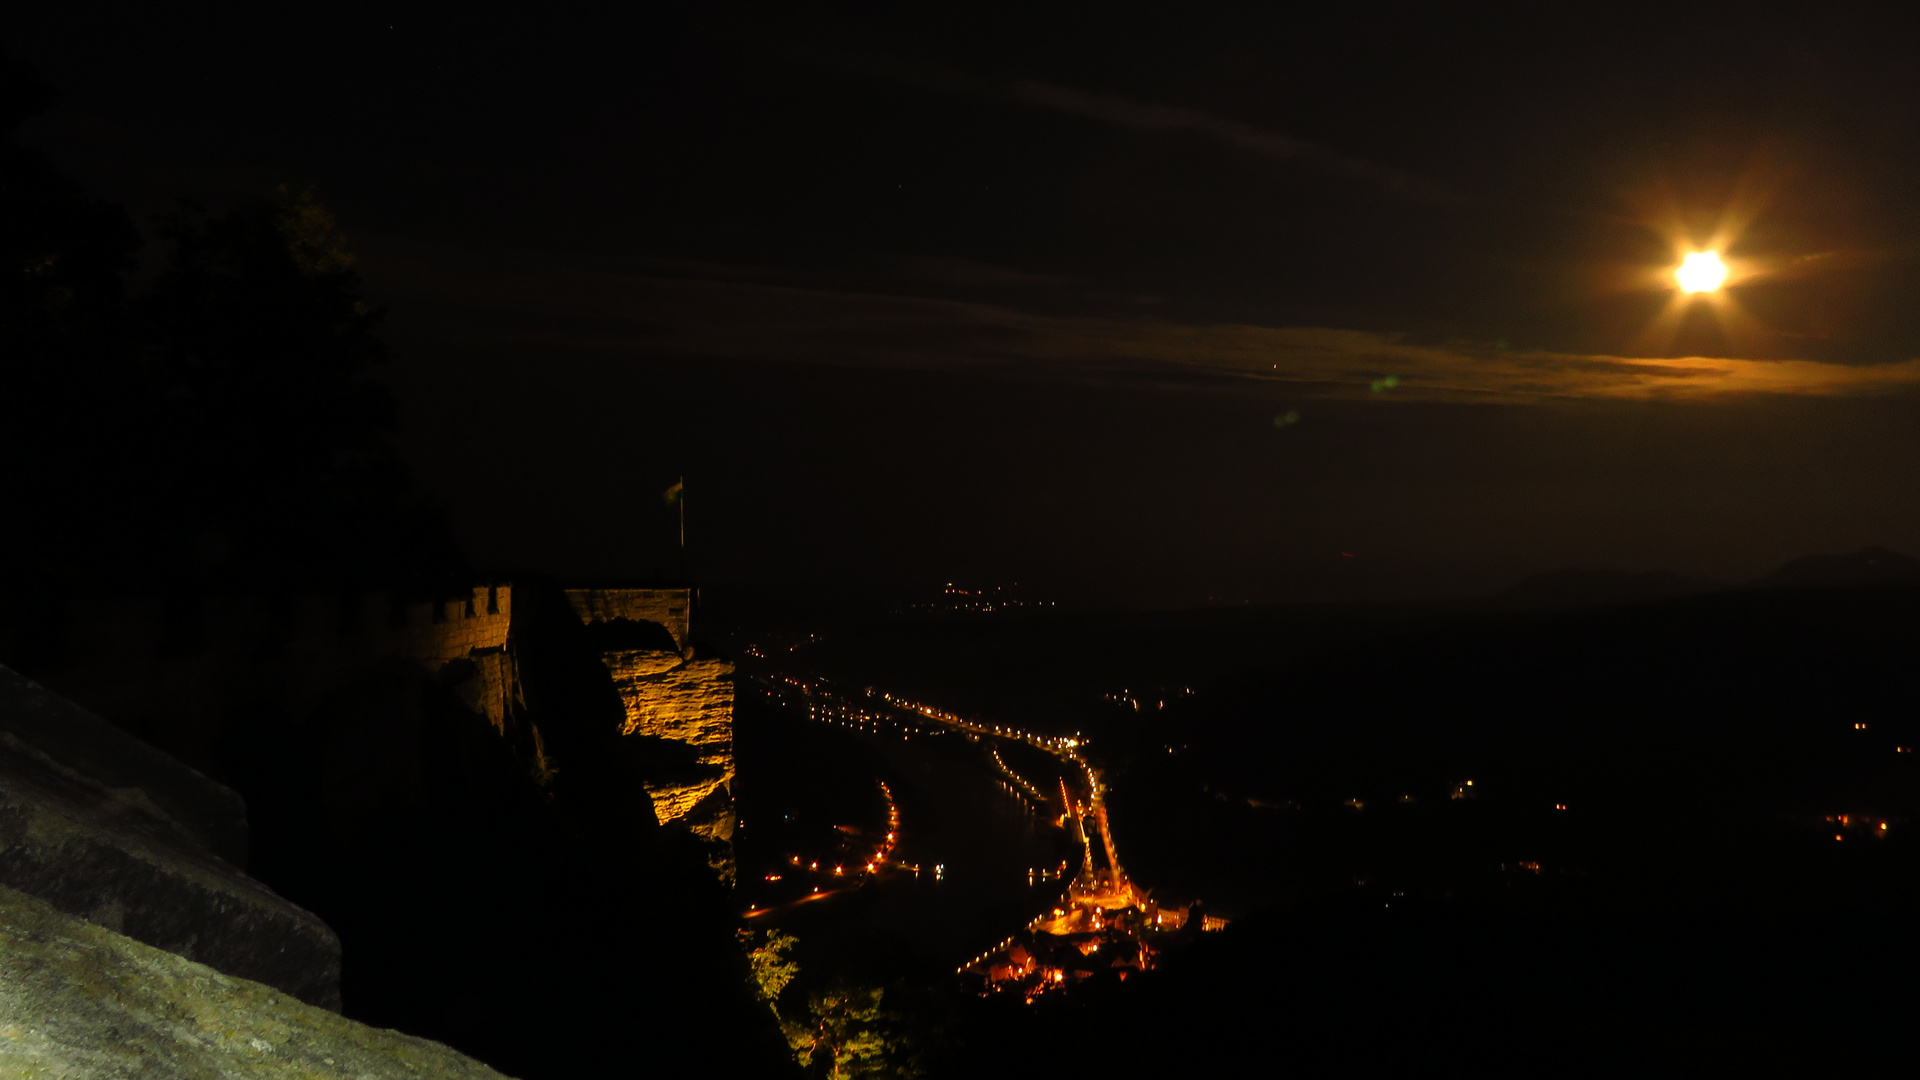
{"x": 639, "y": 314}
{"x": 1357, "y": 362}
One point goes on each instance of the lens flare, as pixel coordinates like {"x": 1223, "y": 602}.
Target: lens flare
{"x": 1701, "y": 272}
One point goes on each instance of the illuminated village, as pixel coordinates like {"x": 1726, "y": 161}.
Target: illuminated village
{"x": 1100, "y": 926}
{"x": 493, "y": 504}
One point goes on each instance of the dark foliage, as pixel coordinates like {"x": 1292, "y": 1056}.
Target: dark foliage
{"x": 215, "y": 426}
{"x": 551, "y": 930}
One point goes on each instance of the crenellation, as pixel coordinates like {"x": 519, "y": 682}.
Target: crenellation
{"x": 125, "y": 658}
{"x": 670, "y": 608}
{"x": 281, "y": 654}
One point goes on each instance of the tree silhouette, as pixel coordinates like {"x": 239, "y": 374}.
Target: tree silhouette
{"x": 261, "y": 348}
{"x": 218, "y": 428}
{"x": 67, "y": 332}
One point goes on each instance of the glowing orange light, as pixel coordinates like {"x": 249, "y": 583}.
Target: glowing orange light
{"x": 1701, "y": 271}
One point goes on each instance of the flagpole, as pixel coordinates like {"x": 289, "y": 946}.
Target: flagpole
{"x": 683, "y": 528}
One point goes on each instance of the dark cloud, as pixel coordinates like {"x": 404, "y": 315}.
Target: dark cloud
{"x": 1122, "y": 112}
{"x": 1254, "y": 140}
{"x": 1001, "y": 296}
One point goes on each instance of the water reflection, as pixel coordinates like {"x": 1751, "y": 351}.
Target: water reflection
{"x": 809, "y": 790}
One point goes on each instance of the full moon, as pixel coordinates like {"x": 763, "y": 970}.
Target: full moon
{"x": 1701, "y": 272}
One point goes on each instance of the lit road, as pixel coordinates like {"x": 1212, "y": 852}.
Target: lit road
{"x": 1095, "y": 892}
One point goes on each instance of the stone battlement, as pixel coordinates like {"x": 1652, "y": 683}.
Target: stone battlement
{"x": 671, "y": 608}
{"x": 180, "y": 674}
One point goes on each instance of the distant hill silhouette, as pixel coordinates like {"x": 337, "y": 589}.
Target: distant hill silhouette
{"x": 1577, "y": 588}
{"x": 1868, "y": 566}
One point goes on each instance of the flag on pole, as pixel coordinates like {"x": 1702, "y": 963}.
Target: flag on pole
{"x": 677, "y": 496}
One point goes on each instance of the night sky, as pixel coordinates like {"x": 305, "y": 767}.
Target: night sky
{"x": 1129, "y": 307}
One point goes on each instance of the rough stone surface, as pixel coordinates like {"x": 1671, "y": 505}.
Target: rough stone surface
{"x": 112, "y": 856}
{"x": 681, "y": 698}
{"x": 211, "y": 814}
{"x": 688, "y": 702}
{"x": 670, "y": 608}
{"x": 78, "y": 1000}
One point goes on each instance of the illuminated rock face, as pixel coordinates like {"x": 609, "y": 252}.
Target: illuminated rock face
{"x": 675, "y": 696}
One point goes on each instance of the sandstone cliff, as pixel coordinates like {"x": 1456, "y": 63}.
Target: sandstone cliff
{"x": 673, "y": 696}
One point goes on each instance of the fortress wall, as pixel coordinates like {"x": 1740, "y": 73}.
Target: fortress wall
{"x": 178, "y": 676}
{"x": 670, "y": 608}
{"x": 182, "y": 678}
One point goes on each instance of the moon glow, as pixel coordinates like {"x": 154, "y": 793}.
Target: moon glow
{"x": 1701, "y": 272}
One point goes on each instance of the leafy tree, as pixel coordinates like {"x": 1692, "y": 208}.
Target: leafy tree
{"x": 850, "y": 1035}
{"x": 772, "y": 969}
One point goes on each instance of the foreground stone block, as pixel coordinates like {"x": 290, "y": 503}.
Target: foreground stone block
{"x": 113, "y": 856}
{"x": 78, "y": 1000}
{"x": 210, "y": 814}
